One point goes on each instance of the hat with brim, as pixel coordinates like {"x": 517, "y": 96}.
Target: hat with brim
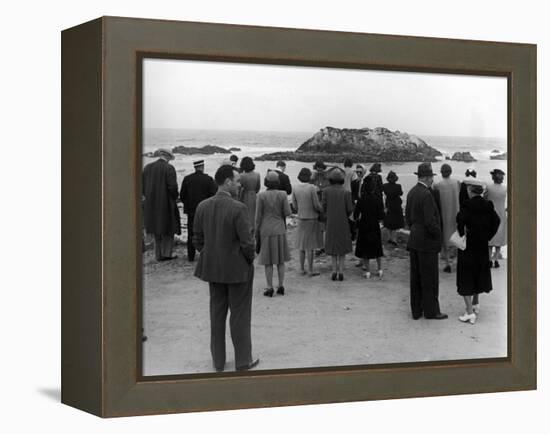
{"x": 475, "y": 186}
{"x": 198, "y": 163}
{"x": 425, "y": 169}
{"x": 497, "y": 172}
{"x": 165, "y": 152}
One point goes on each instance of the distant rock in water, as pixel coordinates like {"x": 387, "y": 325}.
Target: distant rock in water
{"x": 207, "y": 150}
{"x": 503, "y": 156}
{"x": 463, "y": 156}
{"x": 365, "y": 145}
{"x": 235, "y": 149}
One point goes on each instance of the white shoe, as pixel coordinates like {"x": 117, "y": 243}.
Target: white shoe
{"x": 380, "y": 274}
{"x": 367, "y": 275}
{"x": 475, "y": 308}
{"x": 471, "y": 318}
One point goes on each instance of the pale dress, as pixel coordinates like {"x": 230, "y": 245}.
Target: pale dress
{"x": 449, "y": 190}
{"x": 496, "y": 193}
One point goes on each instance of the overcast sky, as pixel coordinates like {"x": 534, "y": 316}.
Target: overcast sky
{"x": 229, "y": 96}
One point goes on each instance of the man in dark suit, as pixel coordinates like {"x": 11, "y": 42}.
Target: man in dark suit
{"x": 422, "y": 217}
{"x": 224, "y": 237}
{"x": 160, "y": 212}
{"x": 284, "y": 180}
{"x": 357, "y": 183}
{"x": 194, "y": 189}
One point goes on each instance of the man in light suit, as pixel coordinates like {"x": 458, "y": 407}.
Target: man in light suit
{"x": 224, "y": 237}
{"x": 423, "y": 219}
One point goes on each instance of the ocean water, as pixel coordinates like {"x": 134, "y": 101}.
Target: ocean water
{"x": 256, "y": 143}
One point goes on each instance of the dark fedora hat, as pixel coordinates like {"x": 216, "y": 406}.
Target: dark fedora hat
{"x": 497, "y": 172}
{"x": 425, "y": 169}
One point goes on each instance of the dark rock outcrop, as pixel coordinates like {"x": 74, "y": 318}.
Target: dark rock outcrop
{"x": 365, "y": 144}
{"x": 503, "y": 156}
{"x": 206, "y": 150}
{"x": 235, "y": 149}
{"x": 463, "y": 156}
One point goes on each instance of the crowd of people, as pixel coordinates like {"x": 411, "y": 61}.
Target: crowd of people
{"x": 231, "y": 222}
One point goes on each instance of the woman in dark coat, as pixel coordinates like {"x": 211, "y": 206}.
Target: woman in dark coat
{"x": 368, "y": 214}
{"x": 338, "y": 207}
{"x": 479, "y": 221}
{"x": 374, "y": 176}
{"x": 394, "y": 211}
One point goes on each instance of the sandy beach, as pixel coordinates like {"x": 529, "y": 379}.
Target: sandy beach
{"x": 318, "y": 322}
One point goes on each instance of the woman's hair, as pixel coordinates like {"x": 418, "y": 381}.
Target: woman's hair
{"x": 348, "y": 162}
{"x": 247, "y": 164}
{"x": 336, "y": 176}
{"x": 304, "y": 175}
{"x": 271, "y": 180}
{"x": 471, "y": 172}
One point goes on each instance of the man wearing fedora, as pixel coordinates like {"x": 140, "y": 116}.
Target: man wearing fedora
{"x": 161, "y": 215}
{"x": 423, "y": 219}
{"x": 224, "y": 237}
{"x": 195, "y": 188}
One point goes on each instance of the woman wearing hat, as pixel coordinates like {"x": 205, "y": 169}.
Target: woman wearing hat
{"x": 272, "y": 209}
{"x": 338, "y": 207}
{"x": 368, "y": 214}
{"x": 463, "y": 197}
{"x": 496, "y": 193}
{"x": 479, "y": 222}
{"x": 393, "y": 219}
{"x": 309, "y": 236}
{"x": 250, "y": 186}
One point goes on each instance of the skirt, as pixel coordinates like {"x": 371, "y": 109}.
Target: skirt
{"x": 309, "y": 235}
{"x": 274, "y": 250}
{"x": 473, "y": 273}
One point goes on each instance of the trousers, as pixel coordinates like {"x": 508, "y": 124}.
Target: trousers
{"x": 190, "y": 246}
{"x": 164, "y": 245}
{"x": 424, "y": 284}
{"x": 237, "y": 298}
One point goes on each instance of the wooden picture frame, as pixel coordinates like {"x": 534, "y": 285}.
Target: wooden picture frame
{"x": 101, "y": 245}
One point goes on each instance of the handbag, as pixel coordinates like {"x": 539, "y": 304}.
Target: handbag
{"x": 458, "y": 241}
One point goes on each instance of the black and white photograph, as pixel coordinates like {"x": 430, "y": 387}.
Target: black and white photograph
{"x": 312, "y": 217}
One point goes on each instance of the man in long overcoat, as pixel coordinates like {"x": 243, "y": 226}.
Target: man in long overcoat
{"x": 224, "y": 237}
{"x": 195, "y": 188}
{"x": 424, "y": 221}
{"x": 161, "y": 215}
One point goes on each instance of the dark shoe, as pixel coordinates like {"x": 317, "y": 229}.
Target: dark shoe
{"x": 281, "y": 290}
{"x": 168, "y": 258}
{"x": 219, "y": 369}
{"x": 251, "y": 365}
{"x": 268, "y": 292}
{"x": 334, "y": 276}
{"x": 497, "y": 265}
{"x": 447, "y": 269}
{"x": 415, "y": 317}
{"x": 490, "y": 264}
{"x": 143, "y": 338}
{"x": 340, "y": 277}
{"x": 439, "y": 316}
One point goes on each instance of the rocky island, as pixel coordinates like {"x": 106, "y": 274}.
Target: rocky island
{"x": 365, "y": 144}
{"x": 503, "y": 156}
{"x": 463, "y": 156}
{"x": 189, "y": 150}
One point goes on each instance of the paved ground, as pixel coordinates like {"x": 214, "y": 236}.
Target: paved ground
{"x": 318, "y": 322}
